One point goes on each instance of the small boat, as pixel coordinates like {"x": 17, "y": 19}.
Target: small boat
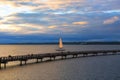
{"x": 60, "y": 45}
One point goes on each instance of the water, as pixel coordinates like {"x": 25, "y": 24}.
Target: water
{"x": 89, "y": 68}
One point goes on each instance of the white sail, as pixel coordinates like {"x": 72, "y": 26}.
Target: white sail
{"x": 60, "y": 43}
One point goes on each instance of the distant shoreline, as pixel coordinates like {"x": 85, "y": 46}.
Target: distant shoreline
{"x": 66, "y": 43}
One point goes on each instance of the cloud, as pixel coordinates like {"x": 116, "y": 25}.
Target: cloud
{"x": 6, "y": 10}
{"x": 9, "y": 28}
{"x": 13, "y": 25}
{"x": 51, "y": 27}
{"x": 51, "y": 4}
{"x": 77, "y": 5}
{"x": 58, "y": 6}
{"x": 38, "y": 23}
{"x": 80, "y": 23}
{"x": 53, "y": 16}
{"x": 66, "y": 24}
{"x": 111, "y": 20}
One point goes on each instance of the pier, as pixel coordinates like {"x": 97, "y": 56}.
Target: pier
{"x": 53, "y": 56}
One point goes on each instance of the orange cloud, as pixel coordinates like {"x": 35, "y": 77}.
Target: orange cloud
{"x": 111, "y": 20}
{"x": 51, "y": 27}
{"x": 80, "y": 23}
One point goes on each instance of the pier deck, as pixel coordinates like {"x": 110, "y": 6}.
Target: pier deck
{"x": 52, "y": 56}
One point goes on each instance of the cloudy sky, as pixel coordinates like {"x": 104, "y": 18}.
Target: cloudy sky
{"x": 45, "y": 20}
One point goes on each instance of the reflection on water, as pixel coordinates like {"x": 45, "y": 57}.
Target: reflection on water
{"x": 90, "y": 68}
{"x": 6, "y": 50}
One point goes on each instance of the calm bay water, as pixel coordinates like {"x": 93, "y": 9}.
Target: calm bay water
{"x": 89, "y": 68}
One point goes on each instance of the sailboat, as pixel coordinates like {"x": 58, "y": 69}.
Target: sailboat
{"x": 60, "y": 45}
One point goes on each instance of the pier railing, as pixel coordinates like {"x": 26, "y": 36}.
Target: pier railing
{"x": 52, "y": 56}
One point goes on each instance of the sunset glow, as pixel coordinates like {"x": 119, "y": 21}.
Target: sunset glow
{"x": 78, "y": 18}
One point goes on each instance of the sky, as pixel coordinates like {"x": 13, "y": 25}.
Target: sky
{"x": 24, "y": 21}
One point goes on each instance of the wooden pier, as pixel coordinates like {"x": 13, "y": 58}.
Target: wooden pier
{"x": 52, "y": 56}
